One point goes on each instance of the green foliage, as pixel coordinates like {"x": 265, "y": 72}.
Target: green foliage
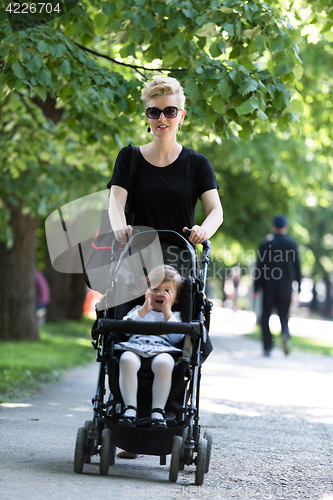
{"x": 69, "y": 91}
{"x": 24, "y": 366}
{"x": 70, "y": 98}
{"x": 290, "y": 173}
{"x": 257, "y": 181}
{"x": 318, "y": 234}
{"x": 313, "y": 204}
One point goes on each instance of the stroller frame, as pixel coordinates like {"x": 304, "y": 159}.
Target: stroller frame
{"x": 102, "y": 434}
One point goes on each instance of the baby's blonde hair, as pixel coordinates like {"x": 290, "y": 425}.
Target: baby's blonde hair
{"x": 158, "y": 275}
{"x": 160, "y": 86}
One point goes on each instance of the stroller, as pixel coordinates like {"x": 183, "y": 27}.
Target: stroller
{"x": 182, "y": 438}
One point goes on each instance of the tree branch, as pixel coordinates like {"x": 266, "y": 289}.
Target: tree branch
{"x": 30, "y": 111}
{"x": 133, "y": 66}
{"x": 49, "y": 107}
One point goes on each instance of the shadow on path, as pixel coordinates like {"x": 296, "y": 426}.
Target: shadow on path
{"x": 271, "y": 420}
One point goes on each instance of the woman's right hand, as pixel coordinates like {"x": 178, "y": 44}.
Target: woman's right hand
{"x": 198, "y": 234}
{"x": 124, "y": 235}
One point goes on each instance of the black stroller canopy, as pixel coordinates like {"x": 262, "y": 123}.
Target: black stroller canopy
{"x": 146, "y": 251}
{"x": 176, "y": 250}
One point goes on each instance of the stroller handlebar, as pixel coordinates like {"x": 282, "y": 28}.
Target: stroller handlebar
{"x": 194, "y": 328}
{"x": 206, "y": 245}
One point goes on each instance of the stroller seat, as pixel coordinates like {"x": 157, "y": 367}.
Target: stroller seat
{"x": 145, "y": 375}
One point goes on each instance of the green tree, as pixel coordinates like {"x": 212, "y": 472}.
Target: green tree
{"x": 69, "y": 99}
{"x": 314, "y": 208}
{"x": 290, "y": 173}
{"x": 319, "y": 240}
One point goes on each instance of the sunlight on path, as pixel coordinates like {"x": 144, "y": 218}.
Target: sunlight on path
{"x": 238, "y": 380}
{"x": 233, "y": 322}
{"x": 241, "y": 322}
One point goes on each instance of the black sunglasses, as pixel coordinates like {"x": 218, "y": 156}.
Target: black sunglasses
{"x": 169, "y": 112}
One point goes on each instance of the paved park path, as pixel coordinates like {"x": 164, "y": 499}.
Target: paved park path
{"x": 271, "y": 420}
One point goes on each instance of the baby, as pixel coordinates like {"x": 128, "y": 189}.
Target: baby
{"x": 157, "y": 307}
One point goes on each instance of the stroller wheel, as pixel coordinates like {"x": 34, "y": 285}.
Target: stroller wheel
{"x": 79, "y": 450}
{"x": 201, "y": 461}
{"x": 175, "y": 458}
{"x": 184, "y": 436}
{"x": 209, "y": 439}
{"x": 87, "y": 426}
{"x": 107, "y": 452}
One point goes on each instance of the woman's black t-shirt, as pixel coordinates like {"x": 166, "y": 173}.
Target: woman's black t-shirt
{"x": 165, "y": 197}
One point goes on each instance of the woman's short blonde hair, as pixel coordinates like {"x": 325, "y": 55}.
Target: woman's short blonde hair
{"x": 160, "y": 86}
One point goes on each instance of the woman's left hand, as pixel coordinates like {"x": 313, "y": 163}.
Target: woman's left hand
{"x": 198, "y": 234}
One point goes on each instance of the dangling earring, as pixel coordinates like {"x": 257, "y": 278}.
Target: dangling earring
{"x": 179, "y": 128}
{"x": 148, "y": 130}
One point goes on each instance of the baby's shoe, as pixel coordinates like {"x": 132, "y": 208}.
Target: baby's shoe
{"x": 158, "y": 423}
{"x": 128, "y": 420}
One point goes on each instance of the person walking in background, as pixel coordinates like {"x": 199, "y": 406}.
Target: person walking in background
{"x": 277, "y": 267}
{"x": 42, "y": 296}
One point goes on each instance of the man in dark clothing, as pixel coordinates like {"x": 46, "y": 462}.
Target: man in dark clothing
{"x": 277, "y": 267}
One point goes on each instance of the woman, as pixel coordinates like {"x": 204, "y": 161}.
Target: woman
{"x": 170, "y": 178}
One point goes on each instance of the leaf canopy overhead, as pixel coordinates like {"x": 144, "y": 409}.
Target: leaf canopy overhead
{"x": 70, "y": 90}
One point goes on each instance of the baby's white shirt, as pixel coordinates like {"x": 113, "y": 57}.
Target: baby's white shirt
{"x": 157, "y": 316}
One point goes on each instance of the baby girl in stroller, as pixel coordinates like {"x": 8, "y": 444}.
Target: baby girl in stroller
{"x": 156, "y": 351}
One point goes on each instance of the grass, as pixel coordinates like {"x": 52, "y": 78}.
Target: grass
{"x": 26, "y": 365}
{"x": 299, "y": 344}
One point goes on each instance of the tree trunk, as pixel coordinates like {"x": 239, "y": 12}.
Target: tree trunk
{"x": 77, "y": 298}
{"x": 17, "y": 271}
{"x": 68, "y": 293}
{"x": 327, "y": 312}
{"x": 314, "y": 301}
